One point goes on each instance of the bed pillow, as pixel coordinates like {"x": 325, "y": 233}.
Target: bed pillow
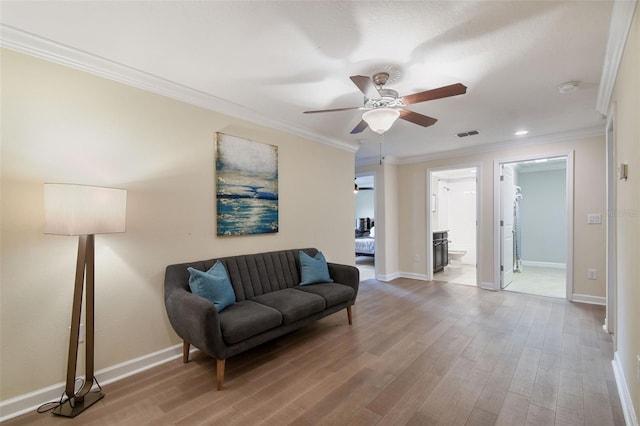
{"x": 372, "y": 232}
{"x": 313, "y": 269}
{"x": 213, "y": 285}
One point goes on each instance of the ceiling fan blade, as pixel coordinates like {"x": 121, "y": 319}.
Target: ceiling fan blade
{"x": 366, "y": 86}
{"x": 360, "y": 127}
{"x": 331, "y": 110}
{"x": 416, "y": 118}
{"x": 441, "y": 92}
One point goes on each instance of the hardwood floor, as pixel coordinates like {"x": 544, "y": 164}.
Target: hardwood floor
{"x": 418, "y": 353}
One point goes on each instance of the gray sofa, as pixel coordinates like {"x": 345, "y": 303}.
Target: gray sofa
{"x": 269, "y": 302}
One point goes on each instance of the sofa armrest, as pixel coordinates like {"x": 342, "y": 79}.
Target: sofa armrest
{"x": 196, "y": 321}
{"x": 345, "y": 274}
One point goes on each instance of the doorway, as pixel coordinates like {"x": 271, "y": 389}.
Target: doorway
{"x": 534, "y": 227}
{"x": 365, "y": 229}
{"x": 453, "y": 224}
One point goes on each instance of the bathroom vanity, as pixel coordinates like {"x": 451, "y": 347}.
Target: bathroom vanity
{"x": 440, "y": 250}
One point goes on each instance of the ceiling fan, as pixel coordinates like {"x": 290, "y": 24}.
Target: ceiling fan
{"x": 383, "y": 106}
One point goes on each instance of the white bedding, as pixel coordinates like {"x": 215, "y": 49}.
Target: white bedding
{"x": 365, "y": 245}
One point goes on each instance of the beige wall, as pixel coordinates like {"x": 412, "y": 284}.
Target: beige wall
{"x": 67, "y": 126}
{"x": 625, "y": 105}
{"x": 589, "y": 197}
{"x": 386, "y": 201}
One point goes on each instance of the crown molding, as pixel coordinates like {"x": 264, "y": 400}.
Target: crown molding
{"x": 621, "y": 20}
{"x": 42, "y": 48}
{"x": 509, "y": 144}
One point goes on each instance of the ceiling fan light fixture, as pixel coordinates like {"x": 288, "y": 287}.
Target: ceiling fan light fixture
{"x": 381, "y": 119}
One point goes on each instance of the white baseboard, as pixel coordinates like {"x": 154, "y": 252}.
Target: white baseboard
{"x": 488, "y": 286}
{"x": 585, "y": 298}
{"x": 387, "y": 278}
{"x": 413, "y": 276}
{"x": 623, "y": 391}
{"x": 544, "y": 264}
{"x": 22, "y": 404}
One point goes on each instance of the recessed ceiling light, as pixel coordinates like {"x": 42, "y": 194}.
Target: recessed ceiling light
{"x": 521, "y": 132}
{"x": 569, "y": 86}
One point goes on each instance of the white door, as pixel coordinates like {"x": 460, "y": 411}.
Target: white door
{"x": 507, "y": 198}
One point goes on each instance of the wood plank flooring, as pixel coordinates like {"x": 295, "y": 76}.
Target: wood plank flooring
{"x": 418, "y": 353}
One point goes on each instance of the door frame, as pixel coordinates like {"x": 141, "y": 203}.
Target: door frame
{"x": 611, "y": 264}
{"x": 510, "y": 201}
{"x": 379, "y": 229}
{"x": 428, "y": 206}
{"x": 569, "y": 211}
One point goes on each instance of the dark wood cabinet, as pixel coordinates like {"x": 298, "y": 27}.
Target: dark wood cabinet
{"x": 440, "y": 250}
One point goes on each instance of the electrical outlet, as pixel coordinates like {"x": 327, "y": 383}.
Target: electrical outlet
{"x": 594, "y": 218}
{"x": 592, "y": 274}
{"x": 416, "y": 258}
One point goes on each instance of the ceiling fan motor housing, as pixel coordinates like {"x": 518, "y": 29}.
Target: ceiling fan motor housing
{"x": 380, "y": 78}
{"x": 388, "y": 99}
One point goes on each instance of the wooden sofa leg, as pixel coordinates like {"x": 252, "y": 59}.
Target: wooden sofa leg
{"x": 220, "y": 373}
{"x": 185, "y": 351}
{"x": 349, "y": 314}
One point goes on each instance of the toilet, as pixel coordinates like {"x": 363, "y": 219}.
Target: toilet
{"x": 455, "y": 256}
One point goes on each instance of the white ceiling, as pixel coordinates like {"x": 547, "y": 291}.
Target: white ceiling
{"x": 270, "y": 61}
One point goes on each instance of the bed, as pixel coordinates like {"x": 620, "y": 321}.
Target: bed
{"x": 365, "y": 246}
{"x": 365, "y": 237}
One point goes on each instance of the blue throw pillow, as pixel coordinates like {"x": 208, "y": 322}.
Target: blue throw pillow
{"x": 314, "y": 269}
{"x": 213, "y": 285}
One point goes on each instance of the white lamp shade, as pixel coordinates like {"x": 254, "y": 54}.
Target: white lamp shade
{"x": 83, "y": 210}
{"x": 380, "y": 119}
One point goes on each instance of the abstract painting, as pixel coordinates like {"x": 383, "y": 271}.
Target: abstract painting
{"x": 246, "y": 186}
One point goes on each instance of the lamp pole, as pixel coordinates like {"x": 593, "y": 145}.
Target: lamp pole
{"x": 84, "y": 398}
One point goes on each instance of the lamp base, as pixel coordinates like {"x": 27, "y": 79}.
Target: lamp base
{"x": 67, "y": 410}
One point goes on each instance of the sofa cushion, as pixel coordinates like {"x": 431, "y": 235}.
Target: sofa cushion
{"x": 313, "y": 269}
{"x": 333, "y": 293}
{"x": 245, "y": 319}
{"x": 292, "y": 304}
{"x": 213, "y": 285}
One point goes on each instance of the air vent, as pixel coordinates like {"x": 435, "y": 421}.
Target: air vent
{"x": 469, "y": 133}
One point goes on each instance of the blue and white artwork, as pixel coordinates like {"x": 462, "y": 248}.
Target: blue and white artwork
{"x": 246, "y": 186}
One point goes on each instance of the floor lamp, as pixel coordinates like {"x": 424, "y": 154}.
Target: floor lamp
{"x": 83, "y": 211}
